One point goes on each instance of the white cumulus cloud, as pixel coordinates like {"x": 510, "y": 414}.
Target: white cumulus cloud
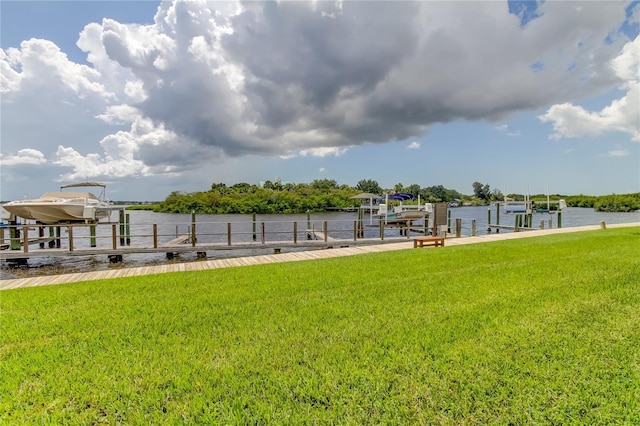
{"x": 209, "y": 81}
{"x": 622, "y": 115}
{"x": 24, "y": 156}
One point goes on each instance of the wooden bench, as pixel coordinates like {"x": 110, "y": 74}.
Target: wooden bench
{"x": 428, "y": 241}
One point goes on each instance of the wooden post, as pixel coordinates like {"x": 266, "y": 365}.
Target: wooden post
{"x": 473, "y": 227}
{"x": 254, "y": 226}
{"x": 25, "y": 238}
{"x": 70, "y": 237}
{"x": 228, "y": 233}
{"x": 127, "y": 229}
{"x": 489, "y": 220}
{"x": 193, "y": 229}
{"x": 449, "y": 221}
{"x": 360, "y": 224}
{"x": 381, "y": 227}
{"x": 262, "y": 236}
{"x": 559, "y": 219}
{"x": 325, "y": 229}
{"x": 41, "y": 235}
{"x": 1, "y": 235}
{"x": 542, "y": 224}
{"x": 355, "y": 230}
{"x": 92, "y": 235}
{"x": 603, "y": 225}
{"x": 121, "y": 221}
{"x": 516, "y": 227}
{"x": 52, "y": 235}
{"x": 498, "y": 214}
{"x": 14, "y": 235}
{"x": 155, "y": 235}
{"x": 458, "y": 227}
{"x": 295, "y": 232}
{"x": 114, "y": 239}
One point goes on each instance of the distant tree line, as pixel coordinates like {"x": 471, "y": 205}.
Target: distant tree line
{"x": 607, "y": 203}
{"x": 276, "y": 197}
{"x": 604, "y": 203}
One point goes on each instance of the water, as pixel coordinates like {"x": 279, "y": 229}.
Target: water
{"x": 277, "y": 227}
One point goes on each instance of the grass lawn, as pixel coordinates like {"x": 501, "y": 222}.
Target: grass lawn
{"x": 541, "y": 330}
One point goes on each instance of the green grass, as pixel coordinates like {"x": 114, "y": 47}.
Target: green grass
{"x": 540, "y": 330}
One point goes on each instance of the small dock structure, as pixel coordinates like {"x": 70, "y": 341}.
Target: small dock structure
{"x": 117, "y": 239}
{"x": 523, "y": 213}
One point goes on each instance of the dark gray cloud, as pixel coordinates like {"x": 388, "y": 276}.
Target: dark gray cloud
{"x": 212, "y": 80}
{"x": 276, "y": 77}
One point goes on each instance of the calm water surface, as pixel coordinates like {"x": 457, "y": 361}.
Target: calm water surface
{"x": 278, "y": 228}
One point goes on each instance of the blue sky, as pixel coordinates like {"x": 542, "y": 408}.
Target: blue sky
{"x": 153, "y": 97}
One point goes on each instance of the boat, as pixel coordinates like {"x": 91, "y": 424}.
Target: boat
{"x": 400, "y": 212}
{"x": 64, "y": 206}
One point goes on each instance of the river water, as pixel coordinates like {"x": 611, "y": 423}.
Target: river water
{"x": 277, "y": 228}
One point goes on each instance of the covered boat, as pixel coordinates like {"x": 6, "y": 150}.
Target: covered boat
{"x": 55, "y": 207}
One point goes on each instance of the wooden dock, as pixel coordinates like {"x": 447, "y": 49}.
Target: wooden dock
{"x": 277, "y": 258}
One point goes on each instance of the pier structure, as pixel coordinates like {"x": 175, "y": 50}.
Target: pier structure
{"x": 523, "y": 216}
{"x": 21, "y": 242}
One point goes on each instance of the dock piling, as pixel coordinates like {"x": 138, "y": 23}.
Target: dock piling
{"x": 121, "y": 222}
{"x": 25, "y": 238}
{"x": 127, "y": 228}
{"x": 41, "y": 236}
{"x": 14, "y": 235}
{"x": 70, "y": 228}
{"x": 155, "y": 235}
{"x": 193, "y": 229}
{"x": 92, "y": 235}
{"x": 253, "y": 220}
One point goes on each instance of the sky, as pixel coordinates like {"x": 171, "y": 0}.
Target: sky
{"x": 153, "y": 97}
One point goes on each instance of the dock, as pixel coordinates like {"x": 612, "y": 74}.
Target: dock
{"x": 278, "y": 258}
{"x": 115, "y": 240}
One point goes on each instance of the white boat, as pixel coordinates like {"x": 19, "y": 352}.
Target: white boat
{"x": 56, "y": 207}
{"x": 400, "y": 212}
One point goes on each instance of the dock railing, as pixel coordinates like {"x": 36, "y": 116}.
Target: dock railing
{"x": 35, "y": 239}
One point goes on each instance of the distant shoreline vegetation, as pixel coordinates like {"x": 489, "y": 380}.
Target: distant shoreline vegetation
{"x": 326, "y": 194}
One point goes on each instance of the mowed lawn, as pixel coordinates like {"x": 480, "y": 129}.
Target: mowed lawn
{"x": 542, "y": 330}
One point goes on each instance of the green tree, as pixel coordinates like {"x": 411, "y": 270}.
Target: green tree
{"x": 368, "y": 185}
{"x": 220, "y": 188}
{"x": 413, "y": 189}
{"x": 324, "y": 184}
{"x": 243, "y": 188}
{"x": 483, "y": 192}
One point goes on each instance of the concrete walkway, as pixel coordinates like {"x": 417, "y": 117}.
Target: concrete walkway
{"x": 279, "y": 258}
